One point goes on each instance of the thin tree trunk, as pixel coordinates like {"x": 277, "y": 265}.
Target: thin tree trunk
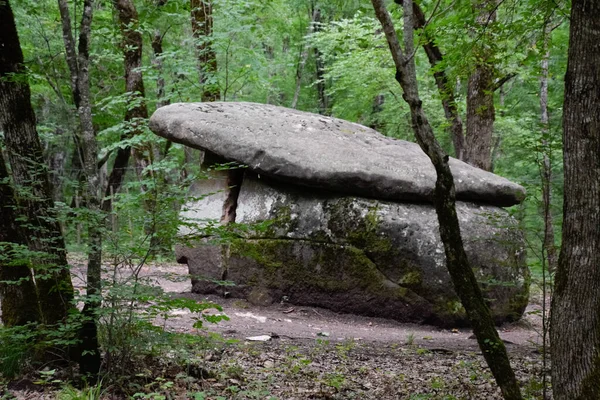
{"x": 56, "y": 158}
{"x": 17, "y": 290}
{"x": 270, "y": 56}
{"x": 157, "y": 50}
{"x": 445, "y": 88}
{"x": 137, "y": 112}
{"x": 320, "y": 70}
{"x": 378, "y": 103}
{"x": 463, "y": 278}
{"x": 480, "y": 95}
{"x": 549, "y": 242}
{"x": 53, "y": 280}
{"x": 575, "y": 316}
{"x": 303, "y": 57}
{"x": 78, "y": 62}
{"x": 549, "y": 259}
{"x": 202, "y": 27}
{"x": 159, "y": 242}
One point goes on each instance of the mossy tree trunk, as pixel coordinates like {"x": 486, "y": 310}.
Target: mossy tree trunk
{"x": 575, "y": 317}
{"x": 463, "y": 278}
{"x": 30, "y": 176}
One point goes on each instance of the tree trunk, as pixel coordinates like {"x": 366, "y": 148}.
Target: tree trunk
{"x": 303, "y": 57}
{"x": 480, "y": 94}
{"x": 463, "y": 278}
{"x": 575, "y": 317}
{"x": 445, "y": 88}
{"x": 378, "y": 103}
{"x": 549, "y": 245}
{"x": 78, "y": 62}
{"x": 157, "y": 50}
{"x": 53, "y": 280}
{"x": 320, "y": 70}
{"x": 202, "y": 27}
{"x": 56, "y": 159}
{"x": 137, "y": 112}
{"x": 17, "y": 289}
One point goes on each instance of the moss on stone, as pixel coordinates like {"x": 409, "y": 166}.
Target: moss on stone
{"x": 283, "y": 220}
{"x": 257, "y": 250}
{"x": 455, "y": 307}
{"x": 331, "y": 268}
{"x": 367, "y": 236}
{"x": 411, "y": 278}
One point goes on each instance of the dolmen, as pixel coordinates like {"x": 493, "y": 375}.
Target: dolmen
{"x": 317, "y": 211}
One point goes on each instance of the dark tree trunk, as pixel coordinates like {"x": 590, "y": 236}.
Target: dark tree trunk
{"x": 575, "y": 317}
{"x": 17, "y": 289}
{"x": 202, "y": 27}
{"x": 463, "y": 278}
{"x": 78, "y": 62}
{"x": 137, "y": 112}
{"x": 480, "y": 94}
{"x": 378, "y": 103}
{"x": 55, "y": 290}
{"x": 445, "y": 88}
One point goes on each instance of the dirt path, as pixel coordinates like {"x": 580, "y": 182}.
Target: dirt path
{"x": 301, "y": 322}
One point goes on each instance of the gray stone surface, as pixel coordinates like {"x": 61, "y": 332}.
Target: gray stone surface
{"x": 207, "y": 195}
{"x": 360, "y": 255}
{"x": 322, "y": 152}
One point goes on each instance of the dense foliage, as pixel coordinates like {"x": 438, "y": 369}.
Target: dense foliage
{"x": 327, "y": 57}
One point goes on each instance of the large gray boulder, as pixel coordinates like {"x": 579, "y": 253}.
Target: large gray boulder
{"x": 326, "y": 217}
{"x": 355, "y": 255}
{"x": 322, "y": 152}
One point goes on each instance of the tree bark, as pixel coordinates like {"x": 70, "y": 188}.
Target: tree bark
{"x": 202, "y": 28}
{"x": 53, "y": 280}
{"x": 480, "y": 94}
{"x": 445, "y": 88}
{"x": 549, "y": 244}
{"x": 137, "y": 112}
{"x": 575, "y": 317}
{"x": 463, "y": 278}
{"x": 78, "y": 62}
{"x": 17, "y": 289}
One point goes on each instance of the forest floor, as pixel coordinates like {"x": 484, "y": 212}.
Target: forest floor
{"x": 285, "y": 351}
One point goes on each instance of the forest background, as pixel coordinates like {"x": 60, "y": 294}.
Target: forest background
{"x": 500, "y": 64}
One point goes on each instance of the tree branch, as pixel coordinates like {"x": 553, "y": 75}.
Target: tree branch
{"x": 500, "y": 82}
